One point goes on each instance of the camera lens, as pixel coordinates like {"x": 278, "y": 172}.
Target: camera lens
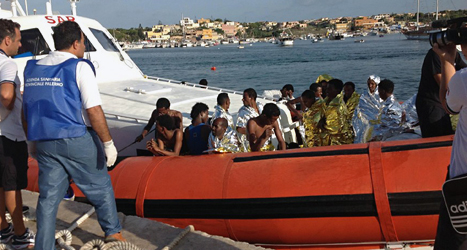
{"x": 441, "y": 38}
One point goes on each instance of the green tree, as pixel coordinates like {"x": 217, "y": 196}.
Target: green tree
{"x": 219, "y": 31}
{"x": 140, "y": 32}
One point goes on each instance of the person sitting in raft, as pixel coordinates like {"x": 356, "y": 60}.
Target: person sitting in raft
{"x": 367, "y": 111}
{"x": 222, "y": 139}
{"x": 250, "y": 109}
{"x": 162, "y": 108}
{"x": 196, "y": 135}
{"x": 334, "y": 123}
{"x": 287, "y": 92}
{"x": 170, "y": 139}
{"x": 311, "y": 117}
{"x": 222, "y": 110}
{"x": 391, "y": 120}
{"x": 351, "y": 99}
{"x": 323, "y": 81}
{"x": 261, "y": 128}
{"x": 317, "y": 89}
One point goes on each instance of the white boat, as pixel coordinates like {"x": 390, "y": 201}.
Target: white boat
{"x": 149, "y": 45}
{"x": 128, "y": 96}
{"x": 317, "y": 40}
{"x": 136, "y": 45}
{"x": 187, "y": 44}
{"x": 286, "y": 41}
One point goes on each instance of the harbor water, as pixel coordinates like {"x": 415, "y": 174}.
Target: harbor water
{"x": 265, "y": 66}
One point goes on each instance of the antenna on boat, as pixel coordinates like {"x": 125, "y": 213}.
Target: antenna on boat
{"x": 48, "y": 8}
{"x": 26, "y": 6}
{"x": 73, "y": 6}
{"x": 16, "y": 9}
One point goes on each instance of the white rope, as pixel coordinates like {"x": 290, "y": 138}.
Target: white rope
{"x": 120, "y": 245}
{"x": 64, "y": 244}
{"x": 93, "y": 244}
{"x": 116, "y": 245}
{"x": 180, "y": 236}
{"x": 64, "y": 237}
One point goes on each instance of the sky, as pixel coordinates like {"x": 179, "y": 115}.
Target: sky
{"x": 132, "y": 13}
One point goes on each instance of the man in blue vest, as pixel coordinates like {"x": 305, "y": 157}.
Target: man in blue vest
{"x": 62, "y": 107}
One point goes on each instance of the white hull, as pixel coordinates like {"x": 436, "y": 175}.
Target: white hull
{"x": 128, "y": 96}
{"x": 287, "y": 43}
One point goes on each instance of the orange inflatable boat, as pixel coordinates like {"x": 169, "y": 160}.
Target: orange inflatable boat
{"x": 357, "y": 196}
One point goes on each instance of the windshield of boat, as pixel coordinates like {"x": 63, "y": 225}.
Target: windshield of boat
{"x": 32, "y": 43}
{"x": 105, "y": 41}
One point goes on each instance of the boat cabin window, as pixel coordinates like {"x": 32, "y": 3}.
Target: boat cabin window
{"x": 88, "y": 45}
{"x": 32, "y": 44}
{"x": 106, "y": 43}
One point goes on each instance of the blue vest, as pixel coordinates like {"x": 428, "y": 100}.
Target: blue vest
{"x": 52, "y": 101}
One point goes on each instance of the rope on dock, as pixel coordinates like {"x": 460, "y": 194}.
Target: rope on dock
{"x": 180, "y": 236}
{"x": 93, "y": 244}
{"x": 100, "y": 245}
{"x": 64, "y": 244}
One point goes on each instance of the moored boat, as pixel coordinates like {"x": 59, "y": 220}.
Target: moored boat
{"x": 286, "y": 41}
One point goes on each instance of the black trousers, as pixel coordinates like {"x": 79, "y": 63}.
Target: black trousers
{"x": 434, "y": 121}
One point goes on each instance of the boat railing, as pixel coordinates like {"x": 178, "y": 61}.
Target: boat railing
{"x": 195, "y": 85}
{"x": 122, "y": 116}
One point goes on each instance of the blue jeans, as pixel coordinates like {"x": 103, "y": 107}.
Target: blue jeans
{"x": 81, "y": 159}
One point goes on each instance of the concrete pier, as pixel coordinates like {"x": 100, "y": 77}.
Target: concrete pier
{"x": 143, "y": 233}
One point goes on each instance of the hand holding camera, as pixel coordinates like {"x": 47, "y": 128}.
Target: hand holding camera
{"x": 455, "y": 34}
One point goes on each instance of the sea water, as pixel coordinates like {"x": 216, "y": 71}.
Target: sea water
{"x": 265, "y": 66}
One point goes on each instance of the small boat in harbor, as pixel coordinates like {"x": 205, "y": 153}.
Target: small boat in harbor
{"x": 286, "y": 41}
{"x": 359, "y": 41}
{"x": 317, "y": 40}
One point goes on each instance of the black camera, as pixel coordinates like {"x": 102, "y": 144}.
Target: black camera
{"x": 456, "y": 33}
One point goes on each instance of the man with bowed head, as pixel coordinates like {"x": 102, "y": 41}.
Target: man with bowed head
{"x": 67, "y": 123}
{"x": 162, "y": 108}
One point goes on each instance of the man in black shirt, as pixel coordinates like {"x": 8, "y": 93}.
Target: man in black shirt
{"x": 434, "y": 121}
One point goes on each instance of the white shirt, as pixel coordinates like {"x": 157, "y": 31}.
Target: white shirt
{"x": 456, "y": 101}
{"x": 11, "y": 127}
{"x": 85, "y": 78}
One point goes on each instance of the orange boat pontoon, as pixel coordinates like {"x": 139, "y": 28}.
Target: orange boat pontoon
{"x": 343, "y": 197}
